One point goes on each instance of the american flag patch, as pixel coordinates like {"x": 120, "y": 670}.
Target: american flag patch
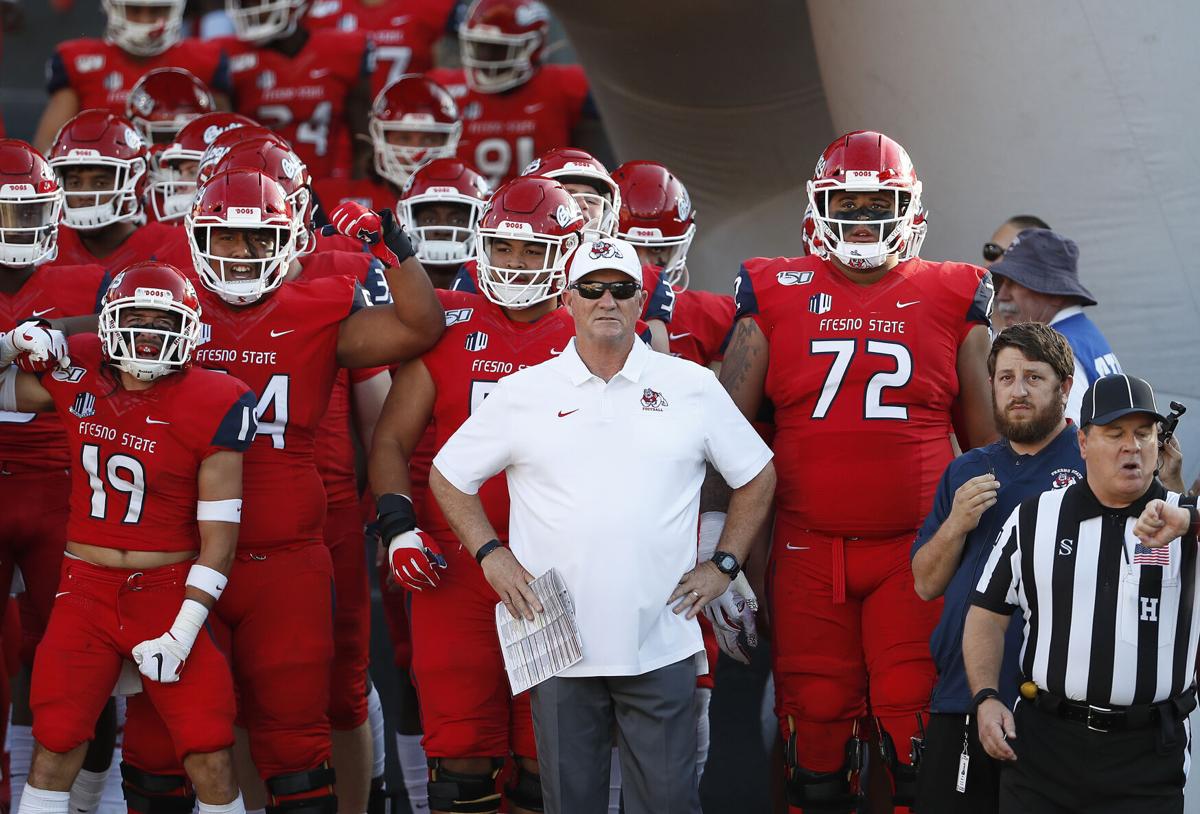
{"x": 1151, "y": 556}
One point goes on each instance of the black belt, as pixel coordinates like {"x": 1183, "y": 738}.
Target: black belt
{"x": 1109, "y": 719}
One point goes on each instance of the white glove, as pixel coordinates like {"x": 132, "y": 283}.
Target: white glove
{"x": 163, "y": 658}
{"x": 732, "y": 617}
{"x": 46, "y": 347}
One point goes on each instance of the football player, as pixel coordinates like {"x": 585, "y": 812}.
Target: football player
{"x": 173, "y": 169}
{"x": 311, "y": 87}
{"x": 35, "y": 485}
{"x": 514, "y": 108}
{"x": 99, "y": 73}
{"x": 413, "y": 121}
{"x": 287, "y": 342}
{"x": 472, "y": 723}
{"x": 403, "y": 33}
{"x": 440, "y": 207}
{"x": 156, "y": 449}
{"x": 101, "y": 162}
{"x": 163, "y": 101}
{"x": 871, "y": 359}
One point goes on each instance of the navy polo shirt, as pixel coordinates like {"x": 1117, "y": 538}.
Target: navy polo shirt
{"x": 1056, "y": 466}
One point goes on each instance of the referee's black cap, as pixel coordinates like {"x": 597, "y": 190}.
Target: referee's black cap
{"x": 1116, "y": 395}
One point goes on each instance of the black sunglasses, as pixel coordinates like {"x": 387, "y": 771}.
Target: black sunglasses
{"x": 992, "y": 252}
{"x": 621, "y": 289}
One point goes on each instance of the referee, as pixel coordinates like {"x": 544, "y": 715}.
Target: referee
{"x": 1109, "y": 650}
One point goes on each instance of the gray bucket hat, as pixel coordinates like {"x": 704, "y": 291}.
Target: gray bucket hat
{"x": 1044, "y": 261}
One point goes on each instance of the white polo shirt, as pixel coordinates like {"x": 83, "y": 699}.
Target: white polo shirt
{"x": 604, "y": 482}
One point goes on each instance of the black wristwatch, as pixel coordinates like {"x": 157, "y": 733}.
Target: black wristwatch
{"x": 983, "y": 695}
{"x": 727, "y": 564}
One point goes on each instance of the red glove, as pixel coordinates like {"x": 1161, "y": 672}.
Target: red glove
{"x": 416, "y": 560}
{"x": 386, "y": 240}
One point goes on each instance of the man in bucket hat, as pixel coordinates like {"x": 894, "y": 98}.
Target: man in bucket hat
{"x": 1037, "y": 280}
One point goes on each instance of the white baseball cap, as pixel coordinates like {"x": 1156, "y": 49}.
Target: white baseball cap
{"x": 604, "y": 254}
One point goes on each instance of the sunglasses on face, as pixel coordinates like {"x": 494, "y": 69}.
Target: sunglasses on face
{"x": 992, "y": 252}
{"x": 621, "y": 290}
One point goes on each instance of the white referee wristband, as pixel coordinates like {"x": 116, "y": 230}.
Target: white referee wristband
{"x": 8, "y": 389}
{"x": 206, "y": 579}
{"x": 225, "y": 511}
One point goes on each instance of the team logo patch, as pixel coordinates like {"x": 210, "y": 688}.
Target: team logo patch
{"x": 457, "y": 315}
{"x": 113, "y": 82}
{"x": 476, "y": 341}
{"x": 89, "y": 63}
{"x": 74, "y": 375}
{"x": 603, "y": 250}
{"x": 84, "y": 405}
{"x": 133, "y": 139}
{"x": 205, "y": 334}
{"x": 820, "y": 168}
{"x": 473, "y": 110}
{"x": 653, "y": 401}
{"x": 266, "y": 80}
{"x": 820, "y": 303}
{"x": 684, "y": 206}
{"x": 794, "y": 277}
{"x": 564, "y": 215}
{"x": 291, "y": 167}
{"x": 1062, "y": 478}
{"x": 532, "y": 167}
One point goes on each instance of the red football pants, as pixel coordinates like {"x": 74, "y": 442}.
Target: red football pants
{"x": 848, "y": 630}
{"x": 395, "y": 610}
{"x": 275, "y": 622}
{"x": 33, "y": 536}
{"x": 467, "y": 707}
{"x": 351, "y": 617}
{"x": 100, "y": 615}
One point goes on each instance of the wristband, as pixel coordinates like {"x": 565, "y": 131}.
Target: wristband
{"x": 487, "y": 548}
{"x": 206, "y": 579}
{"x": 1193, "y": 512}
{"x": 188, "y": 623}
{"x": 983, "y": 695}
{"x": 395, "y": 238}
{"x": 224, "y": 511}
{"x": 395, "y": 515}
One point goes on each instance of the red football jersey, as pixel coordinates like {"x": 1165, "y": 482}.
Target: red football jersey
{"x": 154, "y": 241}
{"x": 334, "y": 449}
{"x": 377, "y": 195}
{"x": 102, "y": 75}
{"x": 303, "y": 98}
{"x": 403, "y": 32}
{"x": 480, "y": 346}
{"x": 503, "y": 132}
{"x": 863, "y": 379}
{"x": 285, "y": 348}
{"x": 52, "y": 292}
{"x": 135, "y": 454}
{"x": 700, "y": 325}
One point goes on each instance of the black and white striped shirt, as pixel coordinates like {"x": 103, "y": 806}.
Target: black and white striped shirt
{"x": 1102, "y": 625}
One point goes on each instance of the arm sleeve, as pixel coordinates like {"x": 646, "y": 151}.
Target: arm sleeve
{"x": 997, "y": 587}
{"x": 221, "y": 82}
{"x": 942, "y": 502}
{"x": 105, "y": 280}
{"x": 238, "y": 426}
{"x": 463, "y": 281}
{"x": 745, "y": 301}
{"x": 375, "y": 285}
{"x": 57, "y": 77}
{"x": 730, "y": 443}
{"x": 660, "y": 303}
{"x": 481, "y": 447}
{"x": 979, "y": 312}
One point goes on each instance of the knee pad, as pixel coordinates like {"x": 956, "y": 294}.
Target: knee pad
{"x": 306, "y": 792}
{"x": 904, "y": 775}
{"x": 148, "y": 793}
{"x": 524, "y": 789}
{"x": 463, "y": 793}
{"x": 838, "y": 792}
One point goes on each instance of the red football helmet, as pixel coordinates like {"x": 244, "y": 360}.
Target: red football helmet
{"x": 142, "y": 350}
{"x": 600, "y": 204}
{"x": 502, "y": 43}
{"x": 174, "y": 169}
{"x": 863, "y": 162}
{"x": 269, "y": 154}
{"x": 144, "y": 39}
{"x": 258, "y": 237}
{"x": 30, "y": 205}
{"x": 422, "y": 119}
{"x": 261, "y": 21}
{"x": 164, "y": 100}
{"x": 531, "y": 210}
{"x": 443, "y": 181}
{"x": 99, "y": 139}
{"x": 656, "y": 215}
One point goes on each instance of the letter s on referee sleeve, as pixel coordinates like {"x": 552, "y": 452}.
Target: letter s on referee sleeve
{"x": 997, "y": 588}
{"x": 236, "y": 430}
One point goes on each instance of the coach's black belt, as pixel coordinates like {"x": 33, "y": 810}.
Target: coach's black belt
{"x": 1109, "y": 719}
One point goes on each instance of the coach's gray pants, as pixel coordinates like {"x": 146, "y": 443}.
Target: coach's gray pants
{"x": 656, "y": 736}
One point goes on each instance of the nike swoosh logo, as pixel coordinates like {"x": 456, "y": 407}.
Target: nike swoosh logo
{"x": 61, "y": 593}
{"x": 158, "y": 658}
{"x": 680, "y": 336}
{"x": 554, "y": 352}
{"x": 43, "y": 311}
{"x": 534, "y": 108}
{"x": 906, "y": 304}
{"x": 791, "y": 547}
{"x": 277, "y": 334}
{"x": 150, "y": 420}
{"x": 561, "y": 414}
{"x": 318, "y": 73}
{"x": 402, "y": 19}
